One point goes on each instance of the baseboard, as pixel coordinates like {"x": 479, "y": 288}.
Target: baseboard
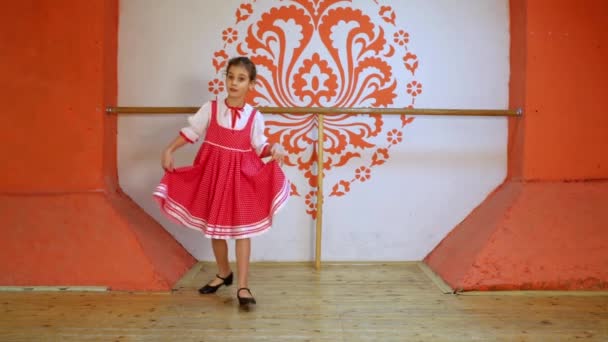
{"x": 53, "y": 288}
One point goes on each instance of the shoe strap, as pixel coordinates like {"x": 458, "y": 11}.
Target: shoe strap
{"x": 244, "y": 288}
{"x": 217, "y": 275}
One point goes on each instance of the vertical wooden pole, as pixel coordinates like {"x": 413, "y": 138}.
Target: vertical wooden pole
{"x": 319, "y": 192}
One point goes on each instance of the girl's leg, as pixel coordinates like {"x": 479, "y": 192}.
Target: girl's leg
{"x": 243, "y": 251}
{"x": 220, "y": 250}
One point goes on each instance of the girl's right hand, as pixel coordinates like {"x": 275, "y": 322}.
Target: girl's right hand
{"x": 167, "y": 161}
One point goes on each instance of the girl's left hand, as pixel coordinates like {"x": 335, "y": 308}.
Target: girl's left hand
{"x": 277, "y": 153}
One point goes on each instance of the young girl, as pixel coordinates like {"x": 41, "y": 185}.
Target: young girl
{"x": 229, "y": 192}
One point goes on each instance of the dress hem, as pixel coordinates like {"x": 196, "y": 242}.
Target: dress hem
{"x": 181, "y": 215}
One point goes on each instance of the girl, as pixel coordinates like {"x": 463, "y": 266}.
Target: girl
{"x": 229, "y": 192}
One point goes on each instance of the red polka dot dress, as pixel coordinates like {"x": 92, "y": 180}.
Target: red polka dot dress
{"x": 228, "y": 192}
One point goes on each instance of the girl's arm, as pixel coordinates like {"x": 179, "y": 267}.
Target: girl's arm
{"x": 197, "y": 127}
{"x": 197, "y": 124}
{"x": 260, "y": 142}
{"x": 167, "y": 157}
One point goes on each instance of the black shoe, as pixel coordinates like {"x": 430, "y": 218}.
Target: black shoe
{"x": 245, "y": 300}
{"x": 211, "y": 289}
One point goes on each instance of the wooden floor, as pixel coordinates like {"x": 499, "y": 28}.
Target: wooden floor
{"x": 391, "y": 302}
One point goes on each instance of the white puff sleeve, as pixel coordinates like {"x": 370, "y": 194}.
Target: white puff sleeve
{"x": 198, "y": 124}
{"x": 258, "y": 138}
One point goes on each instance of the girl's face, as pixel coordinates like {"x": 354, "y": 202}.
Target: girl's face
{"x": 238, "y": 82}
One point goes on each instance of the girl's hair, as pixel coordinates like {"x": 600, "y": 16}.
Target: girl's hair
{"x": 245, "y": 63}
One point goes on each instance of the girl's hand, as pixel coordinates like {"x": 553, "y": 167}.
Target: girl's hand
{"x": 277, "y": 153}
{"x": 167, "y": 161}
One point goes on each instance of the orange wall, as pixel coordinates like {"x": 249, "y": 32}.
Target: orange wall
{"x": 536, "y": 235}
{"x": 552, "y": 237}
{"x": 517, "y": 86}
{"x": 566, "y": 126}
{"x": 539, "y": 230}
{"x": 83, "y": 239}
{"x": 110, "y": 94}
{"x": 55, "y": 87}
{"x": 62, "y": 217}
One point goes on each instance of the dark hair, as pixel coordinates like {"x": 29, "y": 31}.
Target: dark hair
{"x": 245, "y": 63}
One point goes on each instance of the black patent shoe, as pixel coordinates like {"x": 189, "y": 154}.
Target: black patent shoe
{"x": 207, "y": 289}
{"x": 245, "y": 300}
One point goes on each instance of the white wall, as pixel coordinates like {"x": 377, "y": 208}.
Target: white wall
{"x": 443, "y": 168}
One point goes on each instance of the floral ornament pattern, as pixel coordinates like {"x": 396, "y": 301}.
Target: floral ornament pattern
{"x": 230, "y": 35}
{"x": 216, "y": 86}
{"x": 326, "y": 53}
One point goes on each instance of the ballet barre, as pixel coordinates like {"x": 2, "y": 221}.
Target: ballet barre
{"x": 328, "y": 111}
{"x": 320, "y": 112}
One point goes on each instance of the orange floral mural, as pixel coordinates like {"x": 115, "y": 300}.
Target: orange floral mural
{"x": 326, "y": 53}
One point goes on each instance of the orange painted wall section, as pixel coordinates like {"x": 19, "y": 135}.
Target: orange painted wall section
{"x": 110, "y": 94}
{"x": 455, "y": 254}
{"x": 545, "y": 228}
{"x": 530, "y": 236}
{"x": 553, "y": 237}
{"x": 53, "y": 115}
{"x": 517, "y": 86}
{"x": 567, "y": 81}
{"x": 81, "y": 239}
{"x": 62, "y": 217}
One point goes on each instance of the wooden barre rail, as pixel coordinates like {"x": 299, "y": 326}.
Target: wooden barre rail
{"x": 320, "y": 112}
{"x": 327, "y": 111}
